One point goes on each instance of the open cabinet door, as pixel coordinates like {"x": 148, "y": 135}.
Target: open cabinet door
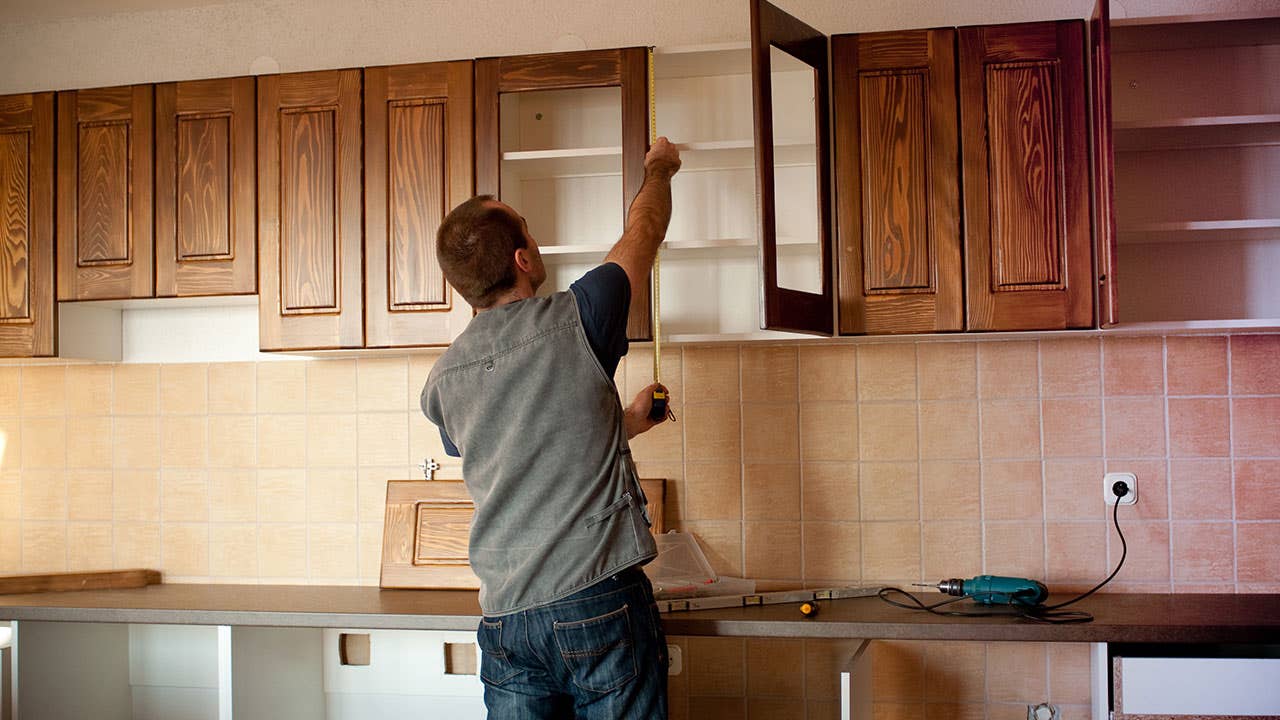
{"x": 1104, "y": 161}
{"x": 790, "y": 73}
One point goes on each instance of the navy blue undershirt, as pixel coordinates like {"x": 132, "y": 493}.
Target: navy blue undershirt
{"x": 604, "y": 301}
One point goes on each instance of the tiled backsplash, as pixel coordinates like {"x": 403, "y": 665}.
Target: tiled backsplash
{"x": 807, "y": 463}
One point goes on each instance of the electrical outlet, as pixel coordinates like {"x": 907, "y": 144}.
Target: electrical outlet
{"x": 1111, "y": 478}
{"x": 675, "y": 663}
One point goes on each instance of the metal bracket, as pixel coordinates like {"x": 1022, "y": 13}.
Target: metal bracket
{"x": 429, "y": 467}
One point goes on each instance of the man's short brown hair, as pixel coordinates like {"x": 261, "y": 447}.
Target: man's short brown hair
{"x": 475, "y": 245}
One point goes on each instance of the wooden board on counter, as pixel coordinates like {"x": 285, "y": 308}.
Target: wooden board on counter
{"x": 63, "y": 582}
{"x": 428, "y": 526}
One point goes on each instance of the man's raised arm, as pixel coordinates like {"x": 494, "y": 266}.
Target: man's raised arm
{"x": 648, "y": 216}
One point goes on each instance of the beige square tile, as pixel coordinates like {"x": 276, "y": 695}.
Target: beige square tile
{"x": 897, "y": 671}
{"x": 1135, "y": 427}
{"x": 382, "y": 383}
{"x": 282, "y": 550}
{"x": 1256, "y": 431}
{"x": 1200, "y": 489}
{"x": 1012, "y": 490}
{"x": 1256, "y": 484}
{"x": 832, "y": 552}
{"x": 829, "y": 491}
{"x": 1196, "y": 365}
{"x": 952, "y": 549}
{"x": 44, "y": 442}
{"x": 770, "y": 432}
{"x": 1072, "y": 489}
{"x": 1153, "y": 488}
{"x": 1133, "y": 365}
{"x": 369, "y": 556}
{"x": 10, "y": 443}
{"x": 1069, "y": 668}
{"x": 183, "y": 441}
{"x": 829, "y": 431}
{"x": 823, "y": 662}
{"x": 89, "y": 494}
{"x": 331, "y": 441}
{"x": 950, "y": 490}
{"x": 233, "y": 388}
{"x": 44, "y": 390}
{"x": 1013, "y": 548}
{"x": 955, "y": 671}
{"x": 10, "y": 390}
{"x": 1008, "y": 369}
{"x": 136, "y": 442}
{"x": 1016, "y": 671}
{"x": 283, "y": 441}
{"x": 721, "y": 541}
{"x": 1204, "y": 552}
{"x": 44, "y": 495}
{"x": 331, "y": 386}
{"x": 770, "y": 372}
{"x": 233, "y": 550}
{"x": 712, "y": 432}
{"x": 887, "y": 431}
{"x": 1148, "y": 556}
{"x": 233, "y": 441}
{"x": 637, "y": 369}
{"x": 1072, "y": 427}
{"x": 775, "y": 668}
{"x": 1010, "y": 429}
{"x": 711, "y": 374}
{"x": 420, "y": 364}
{"x": 89, "y": 546}
{"x": 331, "y": 495}
{"x": 44, "y": 546}
{"x": 948, "y": 370}
{"x": 137, "y": 545}
{"x": 771, "y": 491}
{"x": 1255, "y": 365}
{"x": 184, "y": 389}
{"x": 664, "y": 442}
{"x": 717, "y": 667}
{"x": 10, "y": 495}
{"x": 333, "y": 551}
{"x": 135, "y": 389}
{"x": 185, "y": 549}
{"x": 887, "y": 372}
{"x": 282, "y": 495}
{"x": 772, "y": 550}
{"x": 371, "y": 492}
{"x": 136, "y": 495}
{"x": 282, "y": 387}
{"x": 89, "y": 441}
{"x": 890, "y": 550}
{"x": 828, "y": 373}
{"x": 10, "y": 546}
{"x": 89, "y": 389}
{"x": 1259, "y": 562}
{"x": 1077, "y": 551}
{"x": 949, "y": 430}
{"x": 383, "y": 438}
{"x": 184, "y": 496}
{"x": 714, "y": 491}
{"x": 233, "y": 495}
{"x": 721, "y": 708}
{"x": 890, "y": 491}
{"x": 1199, "y": 427}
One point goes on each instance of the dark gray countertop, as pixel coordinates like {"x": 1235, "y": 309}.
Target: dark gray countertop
{"x": 1128, "y": 618}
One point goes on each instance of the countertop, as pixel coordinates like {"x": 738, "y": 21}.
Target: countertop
{"x": 1128, "y": 618}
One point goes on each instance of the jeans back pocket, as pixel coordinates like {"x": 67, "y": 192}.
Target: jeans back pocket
{"x": 495, "y": 666}
{"x": 599, "y": 650}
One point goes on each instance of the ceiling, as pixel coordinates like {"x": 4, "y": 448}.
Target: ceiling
{"x": 21, "y": 11}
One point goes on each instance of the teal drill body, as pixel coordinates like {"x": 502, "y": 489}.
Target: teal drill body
{"x": 997, "y": 590}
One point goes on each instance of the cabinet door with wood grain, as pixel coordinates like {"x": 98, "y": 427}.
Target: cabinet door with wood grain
{"x": 309, "y": 211}
{"x": 104, "y": 193}
{"x": 418, "y": 166}
{"x": 1026, "y": 176}
{"x": 26, "y": 226}
{"x": 205, "y": 188}
{"x": 898, "y": 179}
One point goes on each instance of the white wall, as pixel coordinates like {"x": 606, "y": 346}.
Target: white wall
{"x": 291, "y": 35}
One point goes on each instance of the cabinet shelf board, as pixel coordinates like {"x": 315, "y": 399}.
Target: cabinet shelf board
{"x": 1197, "y": 137}
{"x": 677, "y": 248}
{"x": 1181, "y": 226}
{"x": 702, "y": 60}
{"x": 1195, "y": 121}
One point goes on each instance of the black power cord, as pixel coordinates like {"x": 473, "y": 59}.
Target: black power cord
{"x": 1018, "y": 608}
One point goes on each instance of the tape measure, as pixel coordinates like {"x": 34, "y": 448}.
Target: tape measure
{"x": 660, "y": 409}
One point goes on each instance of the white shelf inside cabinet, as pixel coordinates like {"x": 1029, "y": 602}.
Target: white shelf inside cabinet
{"x": 564, "y": 162}
{"x": 740, "y": 154}
{"x": 682, "y": 248}
{"x": 1195, "y": 121}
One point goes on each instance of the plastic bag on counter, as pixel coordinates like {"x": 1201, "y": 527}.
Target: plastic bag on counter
{"x": 681, "y": 570}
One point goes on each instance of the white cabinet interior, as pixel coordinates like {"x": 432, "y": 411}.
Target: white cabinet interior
{"x": 1197, "y": 137}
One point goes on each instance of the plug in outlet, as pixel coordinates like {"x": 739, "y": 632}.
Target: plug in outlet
{"x": 1129, "y": 479}
{"x": 675, "y": 661}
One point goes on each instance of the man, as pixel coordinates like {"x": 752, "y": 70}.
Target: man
{"x": 526, "y": 396}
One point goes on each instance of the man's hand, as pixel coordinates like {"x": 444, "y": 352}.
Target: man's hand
{"x": 663, "y": 158}
{"x": 635, "y": 419}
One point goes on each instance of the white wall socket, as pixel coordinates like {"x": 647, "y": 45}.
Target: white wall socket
{"x": 1110, "y": 479}
{"x": 675, "y": 662}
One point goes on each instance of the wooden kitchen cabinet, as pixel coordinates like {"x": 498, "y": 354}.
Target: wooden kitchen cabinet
{"x": 26, "y": 226}
{"x": 561, "y": 137}
{"x": 206, "y": 187}
{"x": 309, "y": 211}
{"x": 418, "y": 166}
{"x": 104, "y": 191}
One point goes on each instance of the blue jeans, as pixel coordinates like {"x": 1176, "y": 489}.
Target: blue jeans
{"x": 599, "y": 654}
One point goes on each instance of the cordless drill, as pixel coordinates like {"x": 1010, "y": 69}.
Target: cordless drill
{"x": 996, "y": 590}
